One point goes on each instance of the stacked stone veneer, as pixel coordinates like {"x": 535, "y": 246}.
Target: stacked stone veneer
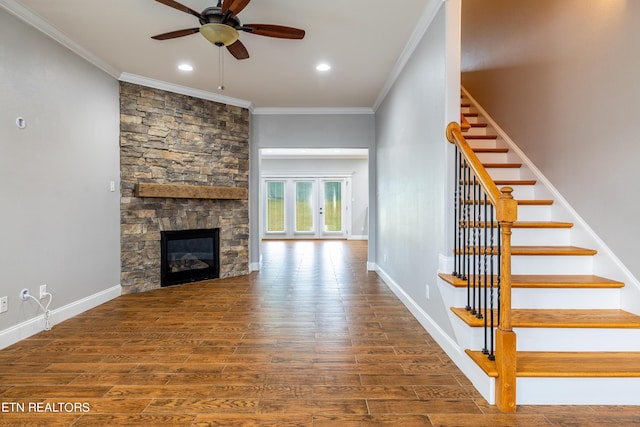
{"x": 167, "y": 138}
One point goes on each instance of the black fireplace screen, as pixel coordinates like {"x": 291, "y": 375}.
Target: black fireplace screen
{"x": 189, "y": 256}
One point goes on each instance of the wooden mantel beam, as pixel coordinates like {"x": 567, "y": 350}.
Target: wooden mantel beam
{"x": 183, "y": 191}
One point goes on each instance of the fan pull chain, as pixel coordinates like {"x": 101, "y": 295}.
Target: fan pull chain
{"x": 221, "y": 69}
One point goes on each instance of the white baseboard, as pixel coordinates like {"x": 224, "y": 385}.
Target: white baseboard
{"x": 358, "y": 237}
{"x": 254, "y": 266}
{"x": 484, "y": 384}
{"x": 35, "y": 325}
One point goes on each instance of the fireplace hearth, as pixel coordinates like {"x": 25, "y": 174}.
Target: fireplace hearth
{"x": 189, "y": 256}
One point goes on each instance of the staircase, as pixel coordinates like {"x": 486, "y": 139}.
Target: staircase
{"x": 575, "y": 345}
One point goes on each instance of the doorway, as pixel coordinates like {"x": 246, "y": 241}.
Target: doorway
{"x": 314, "y": 194}
{"x": 306, "y": 207}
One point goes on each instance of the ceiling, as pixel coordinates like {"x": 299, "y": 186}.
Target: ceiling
{"x": 362, "y": 40}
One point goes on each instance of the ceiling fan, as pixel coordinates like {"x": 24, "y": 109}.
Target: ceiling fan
{"x": 220, "y": 25}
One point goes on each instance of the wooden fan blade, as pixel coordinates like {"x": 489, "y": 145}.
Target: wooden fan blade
{"x": 175, "y": 34}
{"x": 238, "y": 50}
{"x": 181, "y": 7}
{"x": 234, "y": 6}
{"x": 274, "y": 31}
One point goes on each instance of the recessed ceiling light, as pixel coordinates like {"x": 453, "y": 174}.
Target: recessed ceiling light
{"x": 323, "y": 67}
{"x": 185, "y": 67}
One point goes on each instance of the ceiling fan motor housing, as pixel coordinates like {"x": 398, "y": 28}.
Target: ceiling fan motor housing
{"x": 213, "y": 15}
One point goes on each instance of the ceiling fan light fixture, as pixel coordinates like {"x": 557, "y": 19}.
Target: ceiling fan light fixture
{"x": 219, "y": 34}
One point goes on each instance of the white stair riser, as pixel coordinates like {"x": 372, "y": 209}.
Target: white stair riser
{"x": 551, "y": 264}
{"x": 549, "y": 298}
{"x": 520, "y": 237}
{"x": 476, "y": 131}
{"x": 540, "y": 236}
{"x": 504, "y": 173}
{"x": 493, "y": 157}
{"x": 577, "y": 339}
{"x": 533, "y": 264}
{"x": 578, "y": 391}
{"x": 521, "y": 192}
{"x": 475, "y": 120}
{"x": 483, "y": 143}
{"x": 565, "y": 298}
{"x": 560, "y": 339}
{"x": 534, "y": 213}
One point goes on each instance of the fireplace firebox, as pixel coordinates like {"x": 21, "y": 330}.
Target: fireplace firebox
{"x": 189, "y": 256}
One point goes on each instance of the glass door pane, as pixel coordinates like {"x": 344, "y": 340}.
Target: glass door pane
{"x": 332, "y": 206}
{"x": 304, "y": 206}
{"x": 275, "y": 207}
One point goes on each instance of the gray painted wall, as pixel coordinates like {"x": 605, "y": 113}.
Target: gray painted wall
{"x": 359, "y": 182}
{"x": 411, "y": 153}
{"x": 308, "y": 131}
{"x": 60, "y": 222}
{"x": 561, "y": 78}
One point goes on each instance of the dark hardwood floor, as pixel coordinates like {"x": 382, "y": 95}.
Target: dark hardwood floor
{"x": 312, "y": 340}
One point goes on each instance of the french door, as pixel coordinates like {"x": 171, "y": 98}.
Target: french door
{"x": 305, "y": 207}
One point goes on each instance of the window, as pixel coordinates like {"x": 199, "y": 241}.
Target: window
{"x": 275, "y": 207}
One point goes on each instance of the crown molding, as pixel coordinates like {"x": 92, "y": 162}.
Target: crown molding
{"x": 41, "y": 25}
{"x": 316, "y": 111}
{"x": 184, "y": 90}
{"x": 416, "y": 36}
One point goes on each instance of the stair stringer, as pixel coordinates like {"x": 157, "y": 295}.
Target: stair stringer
{"x": 605, "y": 262}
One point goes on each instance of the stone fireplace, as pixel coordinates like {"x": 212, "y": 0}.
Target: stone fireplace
{"x": 200, "y": 147}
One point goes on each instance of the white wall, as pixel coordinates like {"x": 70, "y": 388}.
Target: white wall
{"x": 308, "y": 131}
{"x": 561, "y": 78}
{"x": 412, "y": 155}
{"x": 359, "y": 182}
{"x": 60, "y": 223}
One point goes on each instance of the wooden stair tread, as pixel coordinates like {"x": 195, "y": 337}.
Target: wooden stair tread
{"x": 537, "y": 251}
{"x": 523, "y": 224}
{"x": 540, "y": 202}
{"x": 560, "y": 318}
{"x": 502, "y": 165}
{"x": 502, "y": 182}
{"x": 490, "y": 150}
{"x": 521, "y": 202}
{"x": 552, "y": 250}
{"x": 567, "y": 364}
{"x": 546, "y": 281}
{"x": 478, "y": 125}
{"x": 515, "y": 182}
{"x": 481, "y": 137}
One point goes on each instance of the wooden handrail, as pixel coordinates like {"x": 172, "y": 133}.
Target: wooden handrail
{"x": 506, "y": 214}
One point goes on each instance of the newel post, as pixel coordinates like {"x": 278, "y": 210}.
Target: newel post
{"x": 505, "y": 337}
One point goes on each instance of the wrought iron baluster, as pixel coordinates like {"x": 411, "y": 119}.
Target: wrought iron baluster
{"x": 472, "y": 248}
{"x": 479, "y": 247}
{"x": 485, "y": 257}
{"x": 456, "y": 215}
{"x": 467, "y": 233}
{"x": 494, "y": 228}
{"x": 499, "y": 268}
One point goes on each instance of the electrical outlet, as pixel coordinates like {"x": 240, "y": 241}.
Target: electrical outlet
{"x": 43, "y": 291}
{"x": 428, "y": 293}
{"x": 4, "y": 304}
